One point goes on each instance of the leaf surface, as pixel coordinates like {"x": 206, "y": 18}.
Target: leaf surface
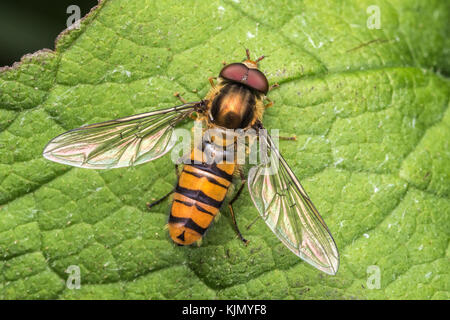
{"x": 369, "y": 108}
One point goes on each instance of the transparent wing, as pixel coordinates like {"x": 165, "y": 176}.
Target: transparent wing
{"x": 289, "y": 212}
{"x": 119, "y": 143}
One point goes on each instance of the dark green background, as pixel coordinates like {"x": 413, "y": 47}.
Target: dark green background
{"x": 27, "y": 26}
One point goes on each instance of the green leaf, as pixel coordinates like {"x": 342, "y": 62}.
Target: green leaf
{"x": 369, "y": 108}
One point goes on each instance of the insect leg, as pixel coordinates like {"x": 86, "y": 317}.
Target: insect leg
{"x": 154, "y": 203}
{"x": 211, "y": 81}
{"x": 275, "y": 85}
{"x": 177, "y": 94}
{"x": 252, "y": 223}
{"x": 230, "y": 206}
{"x": 291, "y": 138}
{"x": 268, "y": 105}
{"x": 233, "y": 218}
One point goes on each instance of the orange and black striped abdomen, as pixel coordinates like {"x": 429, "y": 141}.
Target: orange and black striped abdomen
{"x": 199, "y": 194}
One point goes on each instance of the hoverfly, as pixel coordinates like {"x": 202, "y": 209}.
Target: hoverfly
{"x": 235, "y": 101}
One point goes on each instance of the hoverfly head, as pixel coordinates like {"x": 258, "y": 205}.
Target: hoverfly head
{"x": 246, "y": 73}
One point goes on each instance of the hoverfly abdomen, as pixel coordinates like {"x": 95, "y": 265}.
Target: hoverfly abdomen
{"x": 199, "y": 194}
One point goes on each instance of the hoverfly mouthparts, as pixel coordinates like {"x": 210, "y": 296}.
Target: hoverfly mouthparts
{"x": 236, "y": 101}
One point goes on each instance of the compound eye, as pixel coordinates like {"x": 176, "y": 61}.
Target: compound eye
{"x": 257, "y": 80}
{"x": 235, "y": 72}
